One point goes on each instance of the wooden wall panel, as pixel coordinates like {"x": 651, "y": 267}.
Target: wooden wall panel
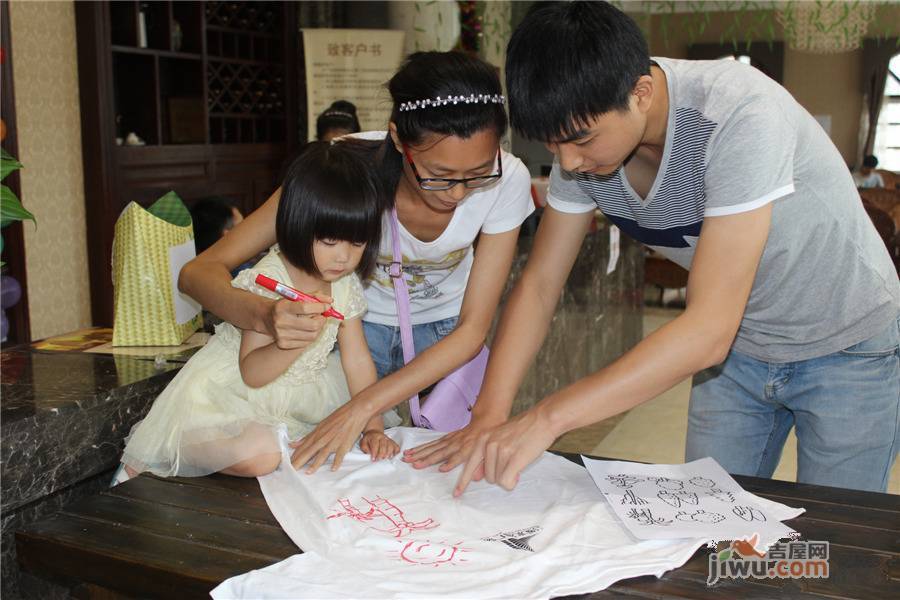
{"x": 244, "y": 173}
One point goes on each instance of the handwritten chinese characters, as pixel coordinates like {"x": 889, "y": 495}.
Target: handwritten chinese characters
{"x": 698, "y": 499}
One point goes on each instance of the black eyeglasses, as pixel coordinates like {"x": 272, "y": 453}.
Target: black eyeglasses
{"x": 440, "y": 183}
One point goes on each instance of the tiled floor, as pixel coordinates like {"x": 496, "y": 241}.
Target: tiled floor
{"x": 655, "y": 431}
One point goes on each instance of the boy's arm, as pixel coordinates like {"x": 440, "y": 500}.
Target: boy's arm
{"x": 261, "y": 361}
{"x": 526, "y": 318}
{"x": 523, "y": 326}
{"x": 722, "y": 274}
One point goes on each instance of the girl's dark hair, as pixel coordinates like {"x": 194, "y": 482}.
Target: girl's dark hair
{"x": 569, "y": 61}
{"x": 427, "y": 75}
{"x": 340, "y": 115}
{"x": 330, "y": 191}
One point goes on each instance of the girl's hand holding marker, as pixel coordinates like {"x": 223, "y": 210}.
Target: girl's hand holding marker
{"x": 289, "y": 293}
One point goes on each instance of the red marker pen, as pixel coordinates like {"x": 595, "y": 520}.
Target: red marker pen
{"x": 286, "y": 291}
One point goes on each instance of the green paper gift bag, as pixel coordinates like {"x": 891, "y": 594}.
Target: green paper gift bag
{"x": 149, "y": 249}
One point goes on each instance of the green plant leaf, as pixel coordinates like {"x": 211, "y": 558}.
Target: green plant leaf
{"x": 8, "y": 164}
{"x": 11, "y": 209}
{"x": 687, "y": 25}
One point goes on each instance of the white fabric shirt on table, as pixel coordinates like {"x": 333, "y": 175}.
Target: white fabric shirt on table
{"x": 386, "y": 530}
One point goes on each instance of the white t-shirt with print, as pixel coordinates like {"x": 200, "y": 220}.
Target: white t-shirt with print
{"x": 385, "y": 530}
{"x": 437, "y": 271}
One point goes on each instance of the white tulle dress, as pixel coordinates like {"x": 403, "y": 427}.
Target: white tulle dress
{"x": 207, "y": 419}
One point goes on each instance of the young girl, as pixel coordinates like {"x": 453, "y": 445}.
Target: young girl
{"x": 222, "y": 411}
{"x": 452, "y": 186}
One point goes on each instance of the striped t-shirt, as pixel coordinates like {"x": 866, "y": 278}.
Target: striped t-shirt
{"x": 736, "y": 141}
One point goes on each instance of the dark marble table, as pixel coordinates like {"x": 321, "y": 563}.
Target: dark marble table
{"x": 64, "y": 418}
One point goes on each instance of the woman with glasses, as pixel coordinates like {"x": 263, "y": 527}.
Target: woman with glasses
{"x": 453, "y": 188}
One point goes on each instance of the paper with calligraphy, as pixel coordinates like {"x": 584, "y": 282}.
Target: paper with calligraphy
{"x": 694, "y": 500}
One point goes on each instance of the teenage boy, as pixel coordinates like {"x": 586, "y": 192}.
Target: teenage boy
{"x": 792, "y": 302}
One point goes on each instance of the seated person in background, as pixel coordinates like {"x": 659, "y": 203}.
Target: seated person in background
{"x": 337, "y": 120}
{"x": 213, "y": 217}
{"x": 867, "y": 177}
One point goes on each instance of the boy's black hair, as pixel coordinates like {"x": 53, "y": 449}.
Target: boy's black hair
{"x": 210, "y": 218}
{"x": 340, "y": 115}
{"x": 330, "y": 191}
{"x": 870, "y": 161}
{"x": 427, "y": 75}
{"x": 569, "y": 61}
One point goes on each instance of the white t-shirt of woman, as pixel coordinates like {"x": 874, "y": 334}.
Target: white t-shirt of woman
{"x": 437, "y": 271}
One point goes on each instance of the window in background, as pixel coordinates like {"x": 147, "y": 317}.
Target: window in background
{"x": 887, "y": 136}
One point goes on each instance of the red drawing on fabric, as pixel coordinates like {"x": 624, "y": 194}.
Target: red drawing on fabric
{"x": 432, "y": 554}
{"x": 389, "y": 518}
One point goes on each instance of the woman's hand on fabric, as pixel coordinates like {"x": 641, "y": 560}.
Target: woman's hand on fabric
{"x": 452, "y": 449}
{"x": 295, "y": 324}
{"x": 336, "y": 435}
{"x": 501, "y": 453}
{"x": 378, "y": 445}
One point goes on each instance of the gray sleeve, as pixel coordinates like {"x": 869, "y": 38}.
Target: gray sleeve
{"x": 564, "y": 193}
{"x": 751, "y": 160}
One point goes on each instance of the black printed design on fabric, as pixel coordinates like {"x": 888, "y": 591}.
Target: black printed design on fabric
{"x": 517, "y": 539}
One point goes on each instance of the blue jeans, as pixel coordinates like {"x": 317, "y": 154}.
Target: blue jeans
{"x": 845, "y": 406}
{"x": 387, "y": 350}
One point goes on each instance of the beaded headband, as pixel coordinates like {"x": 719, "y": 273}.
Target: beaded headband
{"x": 337, "y": 113}
{"x": 470, "y": 99}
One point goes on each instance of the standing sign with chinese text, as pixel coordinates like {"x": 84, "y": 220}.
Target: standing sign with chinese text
{"x": 351, "y": 64}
